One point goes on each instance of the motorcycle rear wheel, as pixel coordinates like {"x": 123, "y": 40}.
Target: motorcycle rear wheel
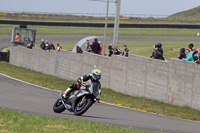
{"x": 58, "y": 106}
{"x": 80, "y": 109}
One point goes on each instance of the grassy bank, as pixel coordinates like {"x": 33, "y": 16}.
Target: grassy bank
{"x": 92, "y": 31}
{"x": 16, "y": 122}
{"x": 108, "y": 95}
{"x": 171, "y": 49}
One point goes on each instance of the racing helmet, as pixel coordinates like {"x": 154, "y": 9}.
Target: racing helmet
{"x": 96, "y": 74}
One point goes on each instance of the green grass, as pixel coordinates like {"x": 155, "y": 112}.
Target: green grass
{"x": 92, "y": 31}
{"x": 108, "y": 95}
{"x": 16, "y": 122}
{"x": 171, "y": 49}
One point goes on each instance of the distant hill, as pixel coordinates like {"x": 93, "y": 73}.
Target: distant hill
{"x": 194, "y": 12}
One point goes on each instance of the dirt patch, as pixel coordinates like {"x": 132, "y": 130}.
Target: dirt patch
{"x": 56, "y": 126}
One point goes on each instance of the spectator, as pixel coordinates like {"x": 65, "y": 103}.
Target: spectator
{"x": 101, "y": 47}
{"x": 189, "y": 56}
{"x": 154, "y": 51}
{"x": 51, "y": 46}
{"x": 191, "y": 45}
{"x": 197, "y": 59}
{"x": 42, "y": 45}
{"x": 17, "y": 37}
{"x": 158, "y": 54}
{"x": 159, "y": 46}
{"x": 59, "y": 47}
{"x": 46, "y": 45}
{"x": 111, "y": 49}
{"x": 95, "y": 47}
{"x": 117, "y": 51}
{"x": 89, "y": 49}
{"x": 182, "y": 53}
{"x": 126, "y": 51}
{"x": 78, "y": 49}
{"x": 32, "y": 43}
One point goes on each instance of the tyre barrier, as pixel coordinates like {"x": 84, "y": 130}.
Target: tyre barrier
{"x": 110, "y": 25}
{"x": 4, "y": 56}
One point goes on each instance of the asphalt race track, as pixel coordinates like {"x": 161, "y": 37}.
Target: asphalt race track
{"x": 5, "y": 40}
{"x": 19, "y": 96}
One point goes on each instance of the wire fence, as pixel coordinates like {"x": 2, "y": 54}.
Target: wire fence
{"x": 94, "y": 17}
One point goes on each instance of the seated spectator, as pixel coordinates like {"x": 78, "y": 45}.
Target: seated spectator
{"x": 115, "y": 50}
{"x": 159, "y": 46}
{"x": 153, "y": 53}
{"x": 59, "y": 47}
{"x": 51, "y": 46}
{"x": 189, "y": 56}
{"x": 182, "y": 53}
{"x": 101, "y": 47}
{"x": 126, "y": 51}
{"x": 158, "y": 55}
{"x": 89, "y": 46}
{"x": 30, "y": 44}
{"x": 78, "y": 49}
{"x": 46, "y": 45}
{"x": 42, "y": 45}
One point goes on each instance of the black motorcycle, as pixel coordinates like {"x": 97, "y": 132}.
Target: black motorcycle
{"x": 79, "y": 101}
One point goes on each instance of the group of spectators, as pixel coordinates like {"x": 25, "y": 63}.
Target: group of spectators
{"x": 96, "y": 47}
{"x": 47, "y": 45}
{"x": 190, "y": 54}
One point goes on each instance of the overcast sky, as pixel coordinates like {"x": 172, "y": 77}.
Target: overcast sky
{"x": 161, "y": 7}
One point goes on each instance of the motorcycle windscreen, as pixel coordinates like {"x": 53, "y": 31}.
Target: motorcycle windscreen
{"x": 94, "y": 88}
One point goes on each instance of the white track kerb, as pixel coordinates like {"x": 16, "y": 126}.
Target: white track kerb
{"x": 101, "y": 101}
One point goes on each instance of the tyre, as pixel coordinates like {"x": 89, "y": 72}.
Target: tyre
{"x": 58, "y": 107}
{"x": 82, "y": 108}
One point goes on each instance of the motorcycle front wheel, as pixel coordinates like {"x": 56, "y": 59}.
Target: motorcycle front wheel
{"x": 83, "y": 107}
{"x": 58, "y": 106}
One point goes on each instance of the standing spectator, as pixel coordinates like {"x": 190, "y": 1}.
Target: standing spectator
{"x": 95, "y": 47}
{"x": 89, "y": 49}
{"x": 32, "y": 43}
{"x": 191, "y": 45}
{"x": 198, "y": 58}
{"x": 46, "y": 45}
{"x": 182, "y": 53}
{"x": 189, "y": 56}
{"x": 126, "y": 51}
{"x": 17, "y": 37}
{"x": 111, "y": 51}
{"x": 101, "y": 47}
{"x": 42, "y": 45}
{"x": 51, "y": 46}
{"x": 110, "y": 47}
{"x": 58, "y": 47}
{"x": 78, "y": 49}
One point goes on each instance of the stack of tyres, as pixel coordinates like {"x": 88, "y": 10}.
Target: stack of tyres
{"x": 4, "y": 56}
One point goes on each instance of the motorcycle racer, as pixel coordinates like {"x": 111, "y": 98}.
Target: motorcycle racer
{"x": 94, "y": 77}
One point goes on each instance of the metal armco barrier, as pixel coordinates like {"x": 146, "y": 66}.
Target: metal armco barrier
{"x": 110, "y": 25}
{"x": 4, "y": 56}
